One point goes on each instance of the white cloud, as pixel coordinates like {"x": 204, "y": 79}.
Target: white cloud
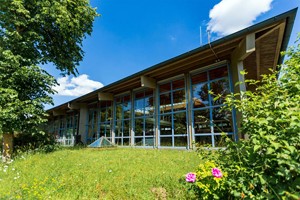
{"x": 76, "y": 86}
{"x": 229, "y": 16}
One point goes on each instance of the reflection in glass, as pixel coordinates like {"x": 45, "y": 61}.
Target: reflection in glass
{"x": 138, "y": 129}
{"x": 222, "y": 120}
{"x": 126, "y": 141}
{"x": 179, "y": 102}
{"x": 220, "y": 87}
{"x": 149, "y": 107}
{"x": 165, "y": 103}
{"x": 218, "y": 73}
{"x": 178, "y": 84}
{"x": 149, "y": 127}
{"x": 180, "y": 141}
{"x": 165, "y": 87}
{"x": 203, "y": 141}
{"x": 138, "y": 141}
{"x": 166, "y": 141}
{"x": 166, "y": 125}
{"x": 126, "y": 128}
{"x": 200, "y": 95}
{"x": 199, "y": 78}
{"x": 180, "y": 123}
{"x": 202, "y": 121}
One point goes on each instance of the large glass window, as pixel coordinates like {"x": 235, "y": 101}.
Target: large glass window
{"x": 209, "y": 120}
{"x": 105, "y": 119}
{"x": 172, "y": 114}
{"x": 122, "y": 120}
{"x": 92, "y": 125}
{"x": 144, "y": 118}
{"x": 64, "y": 128}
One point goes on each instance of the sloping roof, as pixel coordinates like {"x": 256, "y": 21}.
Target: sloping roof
{"x": 196, "y": 58}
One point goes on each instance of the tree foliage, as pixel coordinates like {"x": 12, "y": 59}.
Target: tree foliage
{"x": 32, "y": 33}
{"x": 267, "y": 165}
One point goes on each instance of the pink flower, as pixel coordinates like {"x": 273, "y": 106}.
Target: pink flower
{"x": 216, "y": 172}
{"x": 190, "y": 177}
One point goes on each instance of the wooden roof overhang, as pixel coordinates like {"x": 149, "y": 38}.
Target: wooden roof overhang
{"x": 271, "y": 37}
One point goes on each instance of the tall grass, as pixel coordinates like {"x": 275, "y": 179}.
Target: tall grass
{"x": 97, "y": 174}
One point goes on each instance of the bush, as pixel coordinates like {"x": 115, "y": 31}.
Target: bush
{"x": 267, "y": 165}
{"x": 34, "y": 142}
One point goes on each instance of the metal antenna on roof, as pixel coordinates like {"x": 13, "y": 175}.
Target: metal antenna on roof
{"x": 200, "y": 36}
{"x": 208, "y": 38}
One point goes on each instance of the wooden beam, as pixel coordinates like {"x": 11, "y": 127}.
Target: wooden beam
{"x": 245, "y": 48}
{"x": 258, "y": 60}
{"x": 105, "y": 96}
{"x": 58, "y": 112}
{"x": 279, "y": 43}
{"x": 241, "y": 76}
{"x": 148, "y": 82}
{"x": 75, "y": 106}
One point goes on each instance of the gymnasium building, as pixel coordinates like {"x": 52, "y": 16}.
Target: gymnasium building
{"x": 169, "y": 105}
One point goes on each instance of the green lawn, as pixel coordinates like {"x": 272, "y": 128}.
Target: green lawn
{"x": 117, "y": 173}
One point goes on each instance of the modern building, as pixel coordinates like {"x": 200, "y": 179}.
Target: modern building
{"x": 169, "y": 104}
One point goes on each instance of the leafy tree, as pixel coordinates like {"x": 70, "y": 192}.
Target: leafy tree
{"x": 35, "y": 32}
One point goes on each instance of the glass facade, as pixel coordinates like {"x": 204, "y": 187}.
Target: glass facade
{"x": 132, "y": 119}
{"x": 122, "y": 122}
{"x": 144, "y": 120}
{"x": 172, "y": 116}
{"x": 65, "y": 128}
{"x": 209, "y": 120}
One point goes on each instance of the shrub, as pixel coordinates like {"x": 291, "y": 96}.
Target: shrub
{"x": 35, "y": 142}
{"x": 267, "y": 165}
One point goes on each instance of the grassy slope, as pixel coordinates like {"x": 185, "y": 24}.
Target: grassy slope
{"x": 98, "y": 174}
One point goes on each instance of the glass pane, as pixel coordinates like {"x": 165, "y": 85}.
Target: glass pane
{"x": 149, "y": 106}
{"x": 126, "y": 141}
{"x": 138, "y": 142}
{"x": 118, "y": 128}
{"x": 166, "y": 141}
{"x": 118, "y": 141}
{"x": 218, "y": 73}
{"x": 203, "y": 141}
{"x": 165, "y": 103}
{"x": 149, "y": 127}
{"x": 220, "y": 87}
{"x": 127, "y": 110}
{"x": 119, "y": 111}
{"x": 139, "y": 107}
{"x": 165, "y": 87}
{"x": 222, "y": 120}
{"x": 102, "y": 114}
{"x": 138, "y": 129}
{"x": 126, "y": 128}
{"x": 148, "y": 92}
{"x": 178, "y": 84}
{"x": 180, "y": 141}
{"x": 180, "y": 123}
{"x": 109, "y": 113}
{"x": 149, "y": 141}
{"x": 179, "y": 102}
{"x": 102, "y": 130}
{"x": 139, "y": 95}
{"x": 201, "y": 121}
{"x": 200, "y": 95}
{"x": 199, "y": 78}
{"x": 166, "y": 125}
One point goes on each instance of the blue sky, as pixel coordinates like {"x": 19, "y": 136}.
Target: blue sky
{"x": 132, "y": 35}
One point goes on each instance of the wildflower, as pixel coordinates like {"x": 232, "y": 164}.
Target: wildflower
{"x": 190, "y": 177}
{"x": 216, "y": 172}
